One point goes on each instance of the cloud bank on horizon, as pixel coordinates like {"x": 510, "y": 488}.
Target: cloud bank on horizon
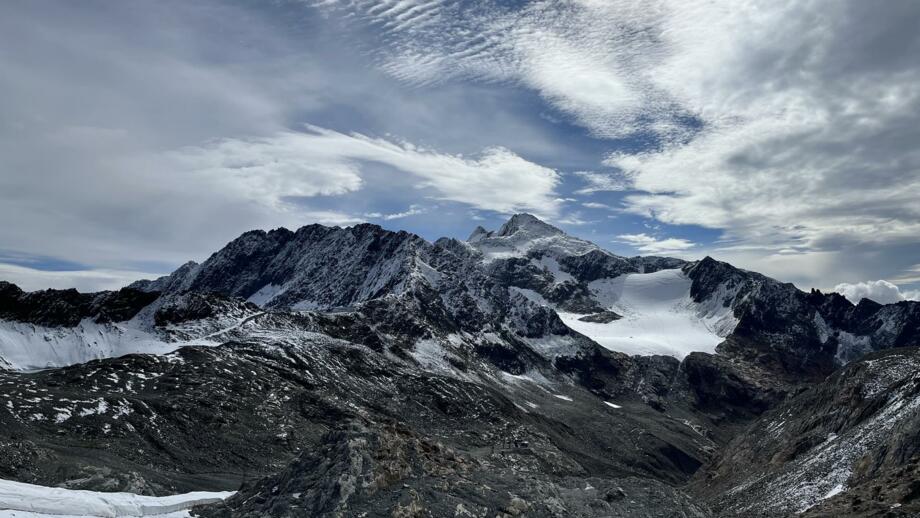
{"x": 780, "y": 137}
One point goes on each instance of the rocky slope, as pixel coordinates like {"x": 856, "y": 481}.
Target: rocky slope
{"x": 339, "y": 371}
{"x": 394, "y": 472}
{"x": 849, "y": 446}
{"x": 211, "y": 417}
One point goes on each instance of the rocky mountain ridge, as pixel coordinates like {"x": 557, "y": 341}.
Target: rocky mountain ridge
{"x": 368, "y": 340}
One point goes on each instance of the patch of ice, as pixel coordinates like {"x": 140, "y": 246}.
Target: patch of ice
{"x": 553, "y": 346}
{"x": 824, "y": 331}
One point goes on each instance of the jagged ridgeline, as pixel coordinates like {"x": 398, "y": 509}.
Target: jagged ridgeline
{"x": 523, "y": 372}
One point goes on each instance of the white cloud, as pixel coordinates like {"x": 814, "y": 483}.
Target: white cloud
{"x": 652, "y": 245}
{"x": 267, "y": 169}
{"x": 413, "y": 210}
{"x": 323, "y": 161}
{"x": 30, "y": 279}
{"x": 880, "y": 291}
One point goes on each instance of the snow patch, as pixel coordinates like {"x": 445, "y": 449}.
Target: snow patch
{"x": 836, "y": 490}
{"x": 521, "y": 242}
{"x": 428, "y": 272}
{"x": 265, "y": 294}
{"x": 851, "y": 347}
{"x": 612, "y": 405}
{"x": 431, "y": 355}
{"x": 552, "y": 266}
{"x": 100, "y": 408}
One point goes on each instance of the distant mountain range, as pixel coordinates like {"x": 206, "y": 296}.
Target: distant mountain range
{"x": 522, "y": 372}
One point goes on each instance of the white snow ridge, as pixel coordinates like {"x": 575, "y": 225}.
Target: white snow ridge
{"x": 659, "y": 317}
{"x": 27, "y": 500}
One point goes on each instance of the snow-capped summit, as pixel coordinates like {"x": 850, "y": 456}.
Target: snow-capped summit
{"x": 525, "y": 234}
{"x": 527, "y": 223}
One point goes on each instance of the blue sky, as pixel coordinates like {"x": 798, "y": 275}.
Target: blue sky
{"x": 781, "y": 138}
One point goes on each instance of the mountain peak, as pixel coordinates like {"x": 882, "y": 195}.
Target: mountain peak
{"x": 529, "y": 222}
{"x": 478, "y": 234}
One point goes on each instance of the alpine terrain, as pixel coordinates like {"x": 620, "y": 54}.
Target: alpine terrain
{"x": 358, "y": 371}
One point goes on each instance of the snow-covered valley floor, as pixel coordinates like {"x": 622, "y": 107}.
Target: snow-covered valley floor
{"x": 27, "y": 500}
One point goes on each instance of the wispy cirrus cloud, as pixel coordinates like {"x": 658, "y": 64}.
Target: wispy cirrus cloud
{"x": 755, "y": 114}
{"x": 909, "y": 275}
{"x": 601, "y": 182}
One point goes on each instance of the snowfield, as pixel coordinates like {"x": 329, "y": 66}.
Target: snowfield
{"x": 659, "y": 316}
{"x": 28, "y": 347}
{"x": 27, "y": 500}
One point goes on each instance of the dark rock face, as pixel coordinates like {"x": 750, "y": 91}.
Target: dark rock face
{"x": 730, "y": 392}
{"x": 599, "y": 264}
{"x": 596, "y": 264}
{"x": 795, "y": 333}
{"x": 326, "y": 267}
{"x": 197, "y": 306}
{"x": 56, "y": 308}
{"x": 604, "y": 317}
